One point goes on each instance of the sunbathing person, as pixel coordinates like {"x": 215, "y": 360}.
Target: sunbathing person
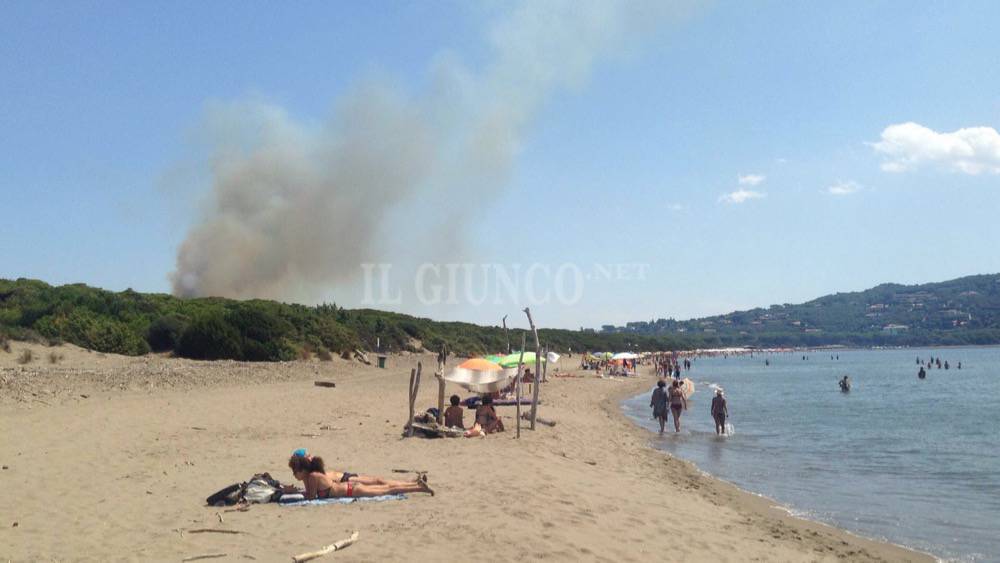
{"x": 486, "y": 417}
{"x": 347, "y": 477}
{"x": 453, "y": 415}
{"x": 319, "y": 485}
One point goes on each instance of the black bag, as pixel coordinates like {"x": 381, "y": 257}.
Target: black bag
{"x": 228, "y": 496}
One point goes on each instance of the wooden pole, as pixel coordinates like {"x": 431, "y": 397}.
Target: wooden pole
{"x": 506, "y": 333}
{"x": 517, "y": 385}
{"x": 538, "y": 368}
{"x": 409, "y": 421}
{"x": 442, "y": 358}
{"x": 415, "y": 379}
{"x": 545, "y": 368}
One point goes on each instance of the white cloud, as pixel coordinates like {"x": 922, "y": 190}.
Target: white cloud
{"x": 844, "y": 188}
{"x": 972, "y": 150}
{"x": 676, "y": 207}
{"x": 739, "y": 196}
{"x": 751, "y": 179}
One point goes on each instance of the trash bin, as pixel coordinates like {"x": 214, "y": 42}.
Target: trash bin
{"x": 381, "y": 362}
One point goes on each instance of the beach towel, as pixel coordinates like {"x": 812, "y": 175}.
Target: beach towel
{"x": 343, "y": 500}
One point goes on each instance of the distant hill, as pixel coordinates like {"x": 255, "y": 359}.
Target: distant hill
{"x": 960, "y": 311}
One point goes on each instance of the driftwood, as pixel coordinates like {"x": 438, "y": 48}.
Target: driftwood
{"x": 414, "y": 388}
{"x": 205, "y": 556}
{"x": 336, "y": 546}
{"x": 418, "y": 471}
{"x": 538, "y": 368}
{"x": 212, "y": 531}
{"x": 520, "y": 369}
{"x": 324, "y": 384}
{"x": 361, "y": 356}
{"x": 439, "y": 375}
{"x": 540, "y": 420}
{"x": 506, "y": 334}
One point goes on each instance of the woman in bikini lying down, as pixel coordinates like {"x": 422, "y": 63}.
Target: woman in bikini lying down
{"x": 319, "y": 484}
{"x": 353, "y": 478}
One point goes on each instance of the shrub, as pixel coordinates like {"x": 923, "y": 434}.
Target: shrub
{"x": 4, "y": 344}
{"x": 25, "y": 357}
{"x": 54, "y": 358}
{"x": 165, "y": 333}
{"x": 324, "y": 355}
{"x": 210, "y": 337}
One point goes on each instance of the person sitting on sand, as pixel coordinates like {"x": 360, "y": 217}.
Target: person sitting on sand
{"x": 659, "y": 404}
{"x": 677, "y": 403}
{"x": 486, "y": 417}
{"x": 453, "y": 415}
{"x": 319, "y": 484}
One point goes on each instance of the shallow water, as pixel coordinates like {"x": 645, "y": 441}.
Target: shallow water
{"x": 915, "y": 462}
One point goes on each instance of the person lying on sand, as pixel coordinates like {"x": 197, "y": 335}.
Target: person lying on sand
{"x": 319, "y": 484}
{"x": 347, "y": 477}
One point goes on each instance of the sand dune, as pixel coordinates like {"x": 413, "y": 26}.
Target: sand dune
{"x": 110, "y": 458}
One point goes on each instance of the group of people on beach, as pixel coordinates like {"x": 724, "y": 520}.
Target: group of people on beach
{"x": 671, "y": 401}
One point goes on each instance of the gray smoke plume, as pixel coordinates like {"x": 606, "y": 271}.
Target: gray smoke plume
{"x": 296, "y": 208}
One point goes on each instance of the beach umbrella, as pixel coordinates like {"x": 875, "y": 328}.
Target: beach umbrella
{"x": 624, "y": 356}
{"x": 480, "y": 376}
{"x": 493, "y": 358}
{"x": 510, "y": 360}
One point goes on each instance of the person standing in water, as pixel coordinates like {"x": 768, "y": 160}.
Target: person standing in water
{"x": 845, "y": 384}
{"x": 922, "y": 374}
{"x": 659, "y": 404}
{"x": 719, "y": 412}
{"x": 678, "y": 403}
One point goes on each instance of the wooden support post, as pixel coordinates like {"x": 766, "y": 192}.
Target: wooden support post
{"x": 414, "y": 388}
{"x": 517, "y": 385}
{"x": 442, "y": 359}
{"x": 538, "y": 366}
{"x": 409, "y": 421}
{"x": 545, "y": 368}
{"x": 506, "y": 333}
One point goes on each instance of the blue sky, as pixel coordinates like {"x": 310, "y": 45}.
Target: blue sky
{"x": 103, "y": 175}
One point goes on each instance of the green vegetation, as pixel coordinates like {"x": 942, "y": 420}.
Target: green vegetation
{"x": 135, "y": 323}
{"x": 956, "y": 312}
{"x": 962, "y": 311}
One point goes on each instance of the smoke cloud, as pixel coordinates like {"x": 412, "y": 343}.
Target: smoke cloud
{"x": 295, "y": 207}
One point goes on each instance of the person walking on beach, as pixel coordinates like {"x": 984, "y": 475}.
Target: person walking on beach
{"x": 719, "y": 412}
{"x": 659, "y": 403}
{"x": 678, "y": 403}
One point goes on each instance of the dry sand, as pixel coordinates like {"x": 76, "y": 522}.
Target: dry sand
{"x": 111, "y": 458}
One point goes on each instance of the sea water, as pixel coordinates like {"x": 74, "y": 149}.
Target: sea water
{"x": 915, "y": 462}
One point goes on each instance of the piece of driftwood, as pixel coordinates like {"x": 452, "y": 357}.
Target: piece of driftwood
{"x": 414, "y": 389}
{"x": 212, "y": 531}
{"x": 205, "y": 556}
{"x": 324, "y": 384}
{"x": 336, "y": 546}
{"x": 538, "y": 368}
{"x": 361, "y": 356}
{"x": 408, "y": 471}
{"x": 520, "y": 370}
{"x": 539, "y": 419}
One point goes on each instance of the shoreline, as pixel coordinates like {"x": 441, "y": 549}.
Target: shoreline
{"x": 764, "y": 503}
{"x": 589, "y": 488}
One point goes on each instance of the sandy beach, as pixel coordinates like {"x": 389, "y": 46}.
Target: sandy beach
{"x": 110, "y": 458}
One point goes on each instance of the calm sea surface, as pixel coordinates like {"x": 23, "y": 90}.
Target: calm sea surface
{"x": 915, "y": 462}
